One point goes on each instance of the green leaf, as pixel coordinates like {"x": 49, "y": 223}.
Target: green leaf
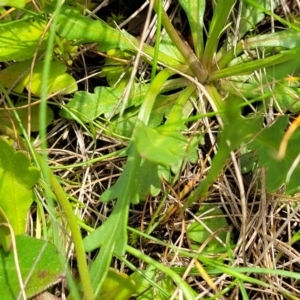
{"x": 287, "y": 98}
{"x": 58, "y": 82}
{"x": 117, "y": 190}
{"x": 270, "y": 43}
{"x": 160, "y": 145}
{"x": 267, "y": 145}
{"x": 7, "y": 117}
{"x": 112, "y": 235}
{"x": 167, "y": 46}
{"x": 72, "y": 25}
{"x": 39, "y": 264}
{"x": 87, "y": 106}
{"x": 13, "y": 3}
{"x": 279, "y": 172}
{"x": 236, "y": 131}
{"x": 116, "y": 71}
{"x": 14, "y": 75}
{"x": 248, "y": 160}
{"x": 19, "y": 39}
{"x": 117, "y": 286}
{"x": 149, "y": 179}
{"x": 162, "y": 288}
{"x": 212, "y": 217}
{"x": 286, "y": 39}
{"x": 148, "y": 182}
{"x": 250, "y": 66}
{"x": 17, "y": 181}
{"x": 216, "y": 28}
{"x": 251, "y": 16}
{"x": 124, "y": 125}
{"x": 195, "y": 10}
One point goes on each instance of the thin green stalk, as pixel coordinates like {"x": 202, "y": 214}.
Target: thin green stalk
{"x": 76, "y": 235}
{"x": 67, "y": 209}
{"x": 185, "y": 50}
{"x": 157, "y": 41}
{"x": 48, "y": 175}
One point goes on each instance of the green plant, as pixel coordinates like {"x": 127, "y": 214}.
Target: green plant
{"x": 153, "y": 115}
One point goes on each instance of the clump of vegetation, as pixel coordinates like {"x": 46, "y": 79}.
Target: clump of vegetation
{"x": 135, "y": 163}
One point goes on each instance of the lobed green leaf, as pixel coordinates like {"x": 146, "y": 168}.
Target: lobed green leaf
{"x": 17, "y": 181}
{"x": 19, "y": 39}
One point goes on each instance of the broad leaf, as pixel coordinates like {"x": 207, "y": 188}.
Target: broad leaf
{"x": 282, "y": 171}
{"x": 163, "y": 289}
{"x": 287, "y": 98}
{"x": 13, "y": 76}
{"x": 212, "y": 217}
{"x": 271, "y": 43}
{"x": 284, "y": 93}
{"x": 72, "y": 25}
{"x": 87, "y": 106}
{"x": 17, "y": 181}
{"x": 149, "y": 179}
{"x": 58, "y": 81}
{"x": 19, "y": 39}
{"x": 7, "y": 117}
{"x": 160, "y": 145}
{"x": 13, "y": 3}
{"x": 251, "y": 16}
{"x": 117, "y": 286}
{"x": 167, "y": 46}
{"x": 39, "y": 263}
{"x": 148, "y": 182}
{"x": 124, "y": 125}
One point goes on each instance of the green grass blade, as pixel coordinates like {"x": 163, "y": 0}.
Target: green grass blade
{"x": 195, "y": 10}
{"x": 252, "y": 66}
{"x": 220, "y": 16}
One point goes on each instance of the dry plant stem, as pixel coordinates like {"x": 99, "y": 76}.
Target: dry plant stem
{"x": 66, "y": 207}
{"x": 185, "y": 50}
{"x": 243, "y": 202}
{"x": 136, "y": 62}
